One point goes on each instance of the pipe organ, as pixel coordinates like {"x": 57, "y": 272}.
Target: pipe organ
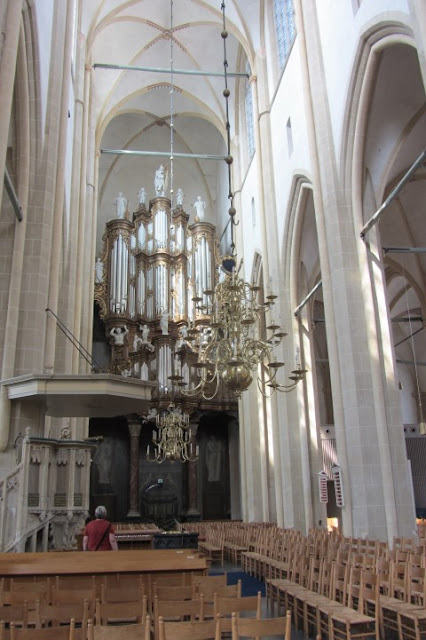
{"x": 153, "y": 266}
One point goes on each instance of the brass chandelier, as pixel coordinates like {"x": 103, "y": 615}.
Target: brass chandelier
{"x": 173, "y": 438}
{"x": 232, "y": 345}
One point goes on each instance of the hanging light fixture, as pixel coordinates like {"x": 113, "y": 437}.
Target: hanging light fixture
{"x": 231, "y": 345}
{"x": 173, "y": 438}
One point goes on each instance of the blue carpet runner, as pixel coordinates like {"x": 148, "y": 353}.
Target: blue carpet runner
{"x": 249, "y": 585}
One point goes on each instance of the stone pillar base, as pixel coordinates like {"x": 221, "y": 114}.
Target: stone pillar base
{"x": 192, "y": 515}
{"x": 133, "y": 514}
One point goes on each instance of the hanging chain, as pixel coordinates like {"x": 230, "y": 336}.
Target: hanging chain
{"x": 172, "y": 91}
{"x": 229, "y": 159}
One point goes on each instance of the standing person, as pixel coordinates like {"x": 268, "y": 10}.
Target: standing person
{"x": 99, "y": 534}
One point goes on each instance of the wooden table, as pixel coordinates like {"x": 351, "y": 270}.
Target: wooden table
{"x": 101, "y": 562}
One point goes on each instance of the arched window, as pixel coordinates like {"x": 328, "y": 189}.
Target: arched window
{"x": 285, "y": 27}
{"x": 251, "y": 144}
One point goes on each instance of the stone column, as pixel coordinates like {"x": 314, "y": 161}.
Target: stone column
{"x": 134, "y": 430}
{"x": 10, "y": 38}
{"x": 192, "y": 512}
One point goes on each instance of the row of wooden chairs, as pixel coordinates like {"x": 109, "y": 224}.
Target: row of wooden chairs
{"x": 213, "y": 629}
{"x": 392, "y": 596}
{"x": 225, "y": 619}
{"x": 242, "y": 542}
{"x": 167, "y": 601}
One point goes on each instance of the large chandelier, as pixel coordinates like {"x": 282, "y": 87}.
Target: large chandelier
{"x": 172, "y": 439}
{"x": 230, "y": 349}
{"x": 234, "y": 346}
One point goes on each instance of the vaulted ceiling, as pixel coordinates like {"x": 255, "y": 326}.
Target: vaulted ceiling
{"x": 133, "y": 108}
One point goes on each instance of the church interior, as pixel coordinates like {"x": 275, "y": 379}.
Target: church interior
{"x": 213, "y": 266}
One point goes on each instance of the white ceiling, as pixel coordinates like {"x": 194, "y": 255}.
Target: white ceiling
{"x": 132, "y": 109}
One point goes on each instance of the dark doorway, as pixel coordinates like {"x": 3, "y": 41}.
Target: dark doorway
{"x": 214, "y": 467}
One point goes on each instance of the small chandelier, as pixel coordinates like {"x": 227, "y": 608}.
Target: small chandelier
{"x": 232, "y": 347}
{"x": 173, "y": 439}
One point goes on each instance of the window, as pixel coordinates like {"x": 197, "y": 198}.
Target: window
{"x": 286, "y": 31}
{"x": 249, "y": 116}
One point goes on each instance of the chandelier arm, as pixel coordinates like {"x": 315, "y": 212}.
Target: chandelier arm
{"x": 260, "y": 386}
{"x": 206, "y": 397}
{"x": 285, "y": 388}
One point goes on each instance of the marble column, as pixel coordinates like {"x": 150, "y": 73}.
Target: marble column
{"x": 192, "y": 512}
{"x": 134, "y": 431}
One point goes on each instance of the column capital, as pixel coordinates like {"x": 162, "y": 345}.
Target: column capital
{"x": 134, "y": 426}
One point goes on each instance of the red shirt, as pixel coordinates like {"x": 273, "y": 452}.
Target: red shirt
{"x": 95, "y": 531}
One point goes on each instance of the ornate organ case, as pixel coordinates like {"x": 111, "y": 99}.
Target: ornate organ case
{"x": 153, "y": 266}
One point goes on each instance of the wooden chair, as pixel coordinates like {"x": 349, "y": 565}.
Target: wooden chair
{"x": 40, "y": 588}
{"x": 383, "y": 571}
{"x": 311, "y": 599}
{"x": 389, "y": 608}
{"x": 18, "y": 614}
{"x": 399, "y": 578}
{"x": 114, "y": 591}
{"x": 80, "y": 582}
{"x": 416, "y": 585}
{"x": 346, "y": 623}
{"x": 412, "y": 624}
{"x": 213, "y": 546}
{"x": 282, "y": 575}
{"x": 276, "y": 589}
{"x": 140, "y": 631}
{"x": 177, "y": 611}
{"x": 51, "y": 633}
{"x": 224, "y": 591}
{"x": 249, "y": 558}
{"x": 56, "y": 615}
{"x": 198, "y": 630}
{"x": 340, "y": 583}
{"x": 225, "y": 607}
{"x": 172, "y": 579}
{"x": 264, "y": 628}
{"x": 281, "y": 567}
{"x": 72, "y": 596}
{"x": 20, "y": 596}
{"x": 312, "y": 590}
{"x": 338, "y": 599}
{"x": 134, "y": 611}
{"x": 209, "y": 584}
{"x": 289, "y": 593}
{"x": 173, "y": 593}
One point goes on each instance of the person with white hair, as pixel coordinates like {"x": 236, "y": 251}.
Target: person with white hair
{"x": 99, "y": 534}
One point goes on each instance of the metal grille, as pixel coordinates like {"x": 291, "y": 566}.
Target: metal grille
{"x": 78, "y": 499}
{"x": 33, "y": 499}
{"x": 60, "y": 500}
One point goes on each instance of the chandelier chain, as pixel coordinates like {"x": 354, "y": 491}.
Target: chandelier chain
{"x": 172, "y": 92}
